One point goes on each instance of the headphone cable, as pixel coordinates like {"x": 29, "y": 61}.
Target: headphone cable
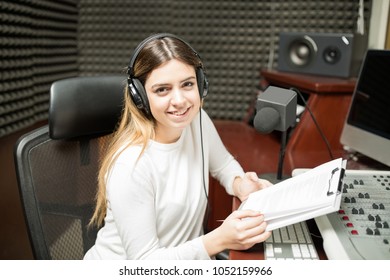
{"x": 208, "y": 206}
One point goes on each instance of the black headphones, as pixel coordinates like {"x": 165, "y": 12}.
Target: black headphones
{"x": 137, "y": 90}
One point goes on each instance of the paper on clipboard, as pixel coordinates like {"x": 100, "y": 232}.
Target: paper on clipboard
{"x": 311, "y": 194}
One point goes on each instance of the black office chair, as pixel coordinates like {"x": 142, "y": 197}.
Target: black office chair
{"x": 57, "y": 164}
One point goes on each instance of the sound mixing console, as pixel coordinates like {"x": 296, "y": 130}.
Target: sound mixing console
{"x": 360, "y": 230}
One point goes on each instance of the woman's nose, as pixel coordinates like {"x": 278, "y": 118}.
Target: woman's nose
{"x": 177, "y": 97}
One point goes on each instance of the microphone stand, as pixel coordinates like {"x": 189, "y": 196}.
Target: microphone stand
{"x": 278, "y": 177}
{"x": 283, "y": 142}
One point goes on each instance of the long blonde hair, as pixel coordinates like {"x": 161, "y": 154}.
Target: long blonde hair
{"x": 136, "y": 127}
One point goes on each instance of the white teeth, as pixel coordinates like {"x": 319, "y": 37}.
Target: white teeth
{"x": 179, "y": 113}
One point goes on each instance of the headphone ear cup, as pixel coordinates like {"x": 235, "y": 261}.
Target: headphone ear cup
{"x": 203, "y": 84}
{"x": 138, "y": 95}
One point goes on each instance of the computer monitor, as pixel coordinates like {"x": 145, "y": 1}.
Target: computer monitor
{"x": 367, "y": 126}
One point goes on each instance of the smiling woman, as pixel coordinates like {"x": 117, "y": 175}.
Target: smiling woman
{"x": 153, "y": 182}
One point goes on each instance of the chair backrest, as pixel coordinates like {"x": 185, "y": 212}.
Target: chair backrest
{"x": 57, "y": 164}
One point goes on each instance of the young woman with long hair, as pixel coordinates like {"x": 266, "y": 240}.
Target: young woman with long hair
{"x": 153, "y": 181}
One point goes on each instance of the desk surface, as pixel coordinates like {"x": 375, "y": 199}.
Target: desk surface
{"x": 310, "y": 83}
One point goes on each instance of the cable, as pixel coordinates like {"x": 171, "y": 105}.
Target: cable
{"x": 208, "y": 206}
{"x": 271, "y": 54}
{"x": 315, "y": 122}
{"x": 201, "y": 144}
{"x": 360, "y": 29}
{"x": 282, "y": 151}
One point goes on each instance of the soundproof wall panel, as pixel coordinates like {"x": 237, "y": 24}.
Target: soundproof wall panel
{"x": 108, "y": 31}
{"x": 38, "y": 46}
{"x": 235, "y": 39}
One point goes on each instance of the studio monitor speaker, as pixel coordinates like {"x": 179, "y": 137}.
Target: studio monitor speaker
{"x": 328, "y": 54}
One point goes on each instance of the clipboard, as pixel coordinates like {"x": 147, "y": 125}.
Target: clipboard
{"x": 308, "y": 194}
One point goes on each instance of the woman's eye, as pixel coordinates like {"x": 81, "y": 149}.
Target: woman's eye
{"x": 188, "y": 84}
{"x": 161, "y": 90}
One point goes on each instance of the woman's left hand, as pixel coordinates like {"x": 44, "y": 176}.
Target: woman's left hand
{"x": 248, "y": 184}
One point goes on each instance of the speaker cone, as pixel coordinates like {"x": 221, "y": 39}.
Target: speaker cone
{"x": 331, "y": 55}
{"x": 302, "y": 51}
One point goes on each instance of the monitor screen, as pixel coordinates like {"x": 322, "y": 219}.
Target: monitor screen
{"x": 367, "y": 126}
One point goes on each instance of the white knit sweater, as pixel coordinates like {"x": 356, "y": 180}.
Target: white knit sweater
{"x": 156, "y": 205}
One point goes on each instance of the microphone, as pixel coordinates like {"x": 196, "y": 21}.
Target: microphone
{"x": 275, "y": 110}
{"x": 266, "y": 120}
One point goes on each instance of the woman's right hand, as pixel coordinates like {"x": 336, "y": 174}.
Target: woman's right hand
{"x": 239, "y": 231}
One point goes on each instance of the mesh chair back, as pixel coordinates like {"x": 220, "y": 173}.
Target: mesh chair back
{"x": 58, "y": 182}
